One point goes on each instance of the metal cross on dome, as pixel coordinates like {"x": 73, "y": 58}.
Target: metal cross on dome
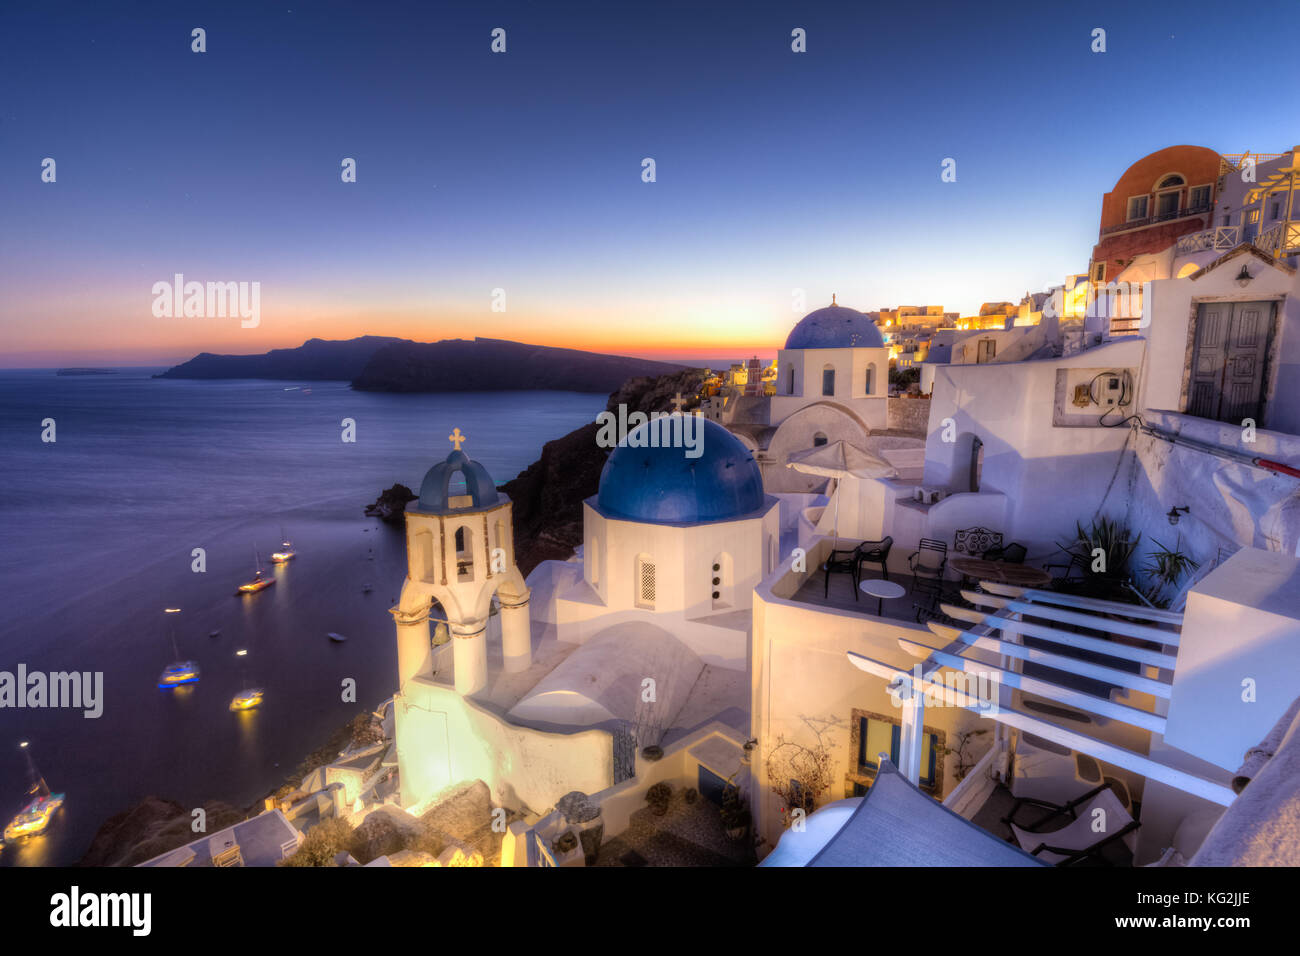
{"x": 456, "y": 438}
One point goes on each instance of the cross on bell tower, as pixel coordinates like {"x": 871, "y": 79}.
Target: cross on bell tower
{"x": 457, "y": 439}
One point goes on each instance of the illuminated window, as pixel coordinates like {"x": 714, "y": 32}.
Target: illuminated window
{"x": 881, "y": 736}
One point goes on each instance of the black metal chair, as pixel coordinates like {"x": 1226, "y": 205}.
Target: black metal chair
{"x": 1076, "y": 564}
{"x": 928, "y": 564}
{"x": 1011, "y": 554}
{"x": 876, "y": 552}
{"x": 976, "y": 542}
{"x": 850, "y": 563}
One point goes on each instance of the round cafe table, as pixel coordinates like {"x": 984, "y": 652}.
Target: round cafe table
{"x": 881, "y": 589}
{"x": 1002, "y": 572}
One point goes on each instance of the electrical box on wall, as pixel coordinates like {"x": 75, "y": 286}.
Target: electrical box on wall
{"x": 1093, "y": 397}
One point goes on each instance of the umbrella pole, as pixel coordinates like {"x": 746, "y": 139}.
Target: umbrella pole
{"x": 836, "y": 545}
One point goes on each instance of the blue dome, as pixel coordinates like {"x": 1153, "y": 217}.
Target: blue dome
{"x": 835, "y": 327}
{"x": 456, "y": 477}
{"x": 663, "y": 485}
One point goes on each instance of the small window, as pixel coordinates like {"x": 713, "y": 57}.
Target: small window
{"x": 871, "y": 374}
{"x": 819, "y": 439}
{"x": 1170, "y": 181}
{"x": 828, "y": 381}
{"x": 1137, "y": 207}
{"x": 1199, "y": 196}
{"x": 790, "y": 377}
{"x": 1275, "y": 210}
{"x": 1099, "y": 272}
{"x": 645, "y": 581}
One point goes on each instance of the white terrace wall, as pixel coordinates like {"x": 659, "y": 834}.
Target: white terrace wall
{"x": 1233, "y": 505}
{"x": 1050, "y": 476}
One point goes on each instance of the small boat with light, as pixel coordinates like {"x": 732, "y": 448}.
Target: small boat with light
{"x": 34, "y": 818}
{"x": 247, "y": 699}
{"x": 286, "y": 552}
{"x": 178, "y": 674}
{"x": 259, "y": 583}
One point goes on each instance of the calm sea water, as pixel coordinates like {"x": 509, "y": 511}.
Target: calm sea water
{"x": 99, "y": 529}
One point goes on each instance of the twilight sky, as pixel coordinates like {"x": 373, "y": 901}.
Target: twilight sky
{"x": 522, "y": 170}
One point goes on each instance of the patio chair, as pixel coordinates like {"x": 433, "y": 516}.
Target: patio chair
{"x": 1011, "y": 554}
{"x": 844, "y": 562}
{"x": 1078, "y": 841}
{"x": 928, "y": 564}
{"x": 1076, "y": 565}
{"x": 876, "y": 552}
{"x": 975, "y": 542}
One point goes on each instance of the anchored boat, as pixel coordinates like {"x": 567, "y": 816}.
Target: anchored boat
{"x": 258, "y": 583}
{"x": 35, "y": 817}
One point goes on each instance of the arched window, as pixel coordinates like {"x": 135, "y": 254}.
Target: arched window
{"x": 828, "y": 380}
{"x": 1169, "y": 182}
{"x": 819, "y": 439}
{"x": 464, "y": 554}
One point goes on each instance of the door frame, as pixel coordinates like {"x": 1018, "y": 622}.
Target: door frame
{"x": 1266, "y": 384}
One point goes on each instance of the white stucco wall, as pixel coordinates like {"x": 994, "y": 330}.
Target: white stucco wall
{"x": 850, "y": 382}
{"x": 443, "y": 738}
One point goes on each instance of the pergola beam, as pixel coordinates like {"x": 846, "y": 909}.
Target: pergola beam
{"x": 1099, "y": 645}
{"x": 1042, "y": 688}
{"x": 1099, "y": 749}
{"x": 1070, "y": 665}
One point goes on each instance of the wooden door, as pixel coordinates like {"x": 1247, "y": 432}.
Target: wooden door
{"x": 1228, "y": 360}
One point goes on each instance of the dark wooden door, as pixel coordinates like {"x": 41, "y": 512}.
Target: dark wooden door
{"x": 1228, "y": 360}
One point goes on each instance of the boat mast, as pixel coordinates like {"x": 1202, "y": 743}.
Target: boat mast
{"x": 38, "y": 787}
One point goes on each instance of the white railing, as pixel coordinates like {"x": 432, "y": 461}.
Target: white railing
{"x": 1217, "y": 238}
{"x": 1280, "y": 239}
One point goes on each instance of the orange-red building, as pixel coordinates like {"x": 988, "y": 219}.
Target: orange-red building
{"x": 1162, "y": 196}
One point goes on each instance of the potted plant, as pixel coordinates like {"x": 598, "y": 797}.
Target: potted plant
{"x": 658, "y": 797}
{"x": 735, "y": 814}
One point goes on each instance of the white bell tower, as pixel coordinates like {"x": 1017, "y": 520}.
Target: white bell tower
{"x": 460, "y": 552}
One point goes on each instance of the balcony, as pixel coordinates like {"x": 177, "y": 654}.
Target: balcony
{"x": 1216, "y": 239}
{"x": 1282, "y": 239}
{"x": 1173, "y": 214}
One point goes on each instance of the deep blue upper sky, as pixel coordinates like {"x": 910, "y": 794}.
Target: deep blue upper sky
{"x": 522, "y": 171}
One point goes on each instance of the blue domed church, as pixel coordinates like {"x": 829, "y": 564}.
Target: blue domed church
{"x": 834, "y": 356}
{"x": 678, "y": 535}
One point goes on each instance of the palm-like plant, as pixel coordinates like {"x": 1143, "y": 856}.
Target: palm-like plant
{"x": 1111, "y": 538}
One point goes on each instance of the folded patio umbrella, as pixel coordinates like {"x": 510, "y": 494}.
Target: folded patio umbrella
{"x": 840, "y": 459}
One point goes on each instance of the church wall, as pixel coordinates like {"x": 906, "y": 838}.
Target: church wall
{"x": 850, "y": 382}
